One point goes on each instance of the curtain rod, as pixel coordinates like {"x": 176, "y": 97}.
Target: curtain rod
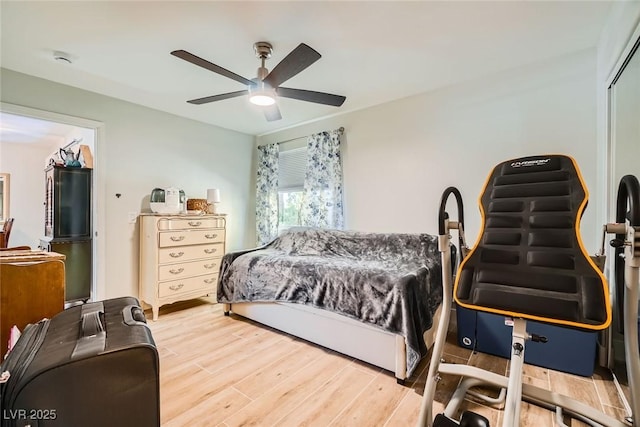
{"x": 340, "y": 129}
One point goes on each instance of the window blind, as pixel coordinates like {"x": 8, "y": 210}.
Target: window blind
{"x": 291, "y": 168}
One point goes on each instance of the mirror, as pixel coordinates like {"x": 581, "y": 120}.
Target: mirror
{"x": 4, "y": 196}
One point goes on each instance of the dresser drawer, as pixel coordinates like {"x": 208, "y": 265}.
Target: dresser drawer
{"x": 187, "y": 269}
{"x": 177, "y": 287}
{"x": 189, "y": 223}
{"x": 189, "y": 253}
{"x": 191, "y": 237}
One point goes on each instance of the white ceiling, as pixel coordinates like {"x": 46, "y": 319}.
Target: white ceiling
{"x": 372, "y": 52}
{"x": 16, "y": 129}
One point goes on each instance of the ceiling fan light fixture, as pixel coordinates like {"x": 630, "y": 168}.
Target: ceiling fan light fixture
{"x": 262, "y": 100}
{"x": 262, "y": 96}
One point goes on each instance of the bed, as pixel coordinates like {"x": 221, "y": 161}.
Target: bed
{"x": 372, "y": 296}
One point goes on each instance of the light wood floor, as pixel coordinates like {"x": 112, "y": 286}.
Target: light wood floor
{"x": 229, "y": 371}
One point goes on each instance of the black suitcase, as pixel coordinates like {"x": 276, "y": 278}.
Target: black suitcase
{"x": 90, "y": 365}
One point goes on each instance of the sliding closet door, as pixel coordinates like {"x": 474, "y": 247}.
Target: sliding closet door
{"x": 625, "y": 120}
{"x": 624, "y": 137}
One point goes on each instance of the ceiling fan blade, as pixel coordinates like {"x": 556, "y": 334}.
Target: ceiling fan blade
{"x": 297, "y": 60}
{"x": 311, "y": 96}
{"x": 220, "y": 97}
{"x": 272, "y": 113}
{"x": 196, "y": 60}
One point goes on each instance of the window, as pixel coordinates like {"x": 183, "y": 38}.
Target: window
{"x": 291, "y": 168}
{"x": 289, "y": 206}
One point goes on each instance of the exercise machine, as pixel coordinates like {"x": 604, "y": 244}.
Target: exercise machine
{"x": 529, "y": 263}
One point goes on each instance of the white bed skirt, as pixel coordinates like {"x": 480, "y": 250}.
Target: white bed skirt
{"x": 342, "y": 334}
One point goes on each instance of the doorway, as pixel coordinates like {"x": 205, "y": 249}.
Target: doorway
{"x": 88, "y": 132}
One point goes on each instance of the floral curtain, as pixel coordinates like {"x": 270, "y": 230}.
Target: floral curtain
{"x": 267, "y": 193}
{"x": 323, "y": 181}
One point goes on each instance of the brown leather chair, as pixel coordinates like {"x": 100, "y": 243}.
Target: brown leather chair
{"x": 6, "y": 231}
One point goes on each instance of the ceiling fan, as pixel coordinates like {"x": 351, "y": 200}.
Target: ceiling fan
{"x": 265, "y": 88}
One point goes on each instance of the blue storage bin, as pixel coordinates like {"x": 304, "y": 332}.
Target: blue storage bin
{"x": 567, "y": 350}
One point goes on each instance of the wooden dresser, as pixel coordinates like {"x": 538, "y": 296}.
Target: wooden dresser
{"x": 179, "y": 257}
{"x": 32, "y": 287}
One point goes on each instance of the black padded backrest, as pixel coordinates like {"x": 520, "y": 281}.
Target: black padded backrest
{"x": 529, "y": 260}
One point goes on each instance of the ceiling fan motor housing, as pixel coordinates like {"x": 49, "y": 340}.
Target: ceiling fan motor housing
{"x": 261, "y": 73}
{"x": 263, "y": 50}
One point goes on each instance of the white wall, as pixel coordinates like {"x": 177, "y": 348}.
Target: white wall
{"x": 25, "y": 164}
{"x": 144, "y": 148}
{"x": 400, "y": 156}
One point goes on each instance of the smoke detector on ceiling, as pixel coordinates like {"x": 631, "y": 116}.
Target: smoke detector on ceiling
{"x": 62, "y": 57}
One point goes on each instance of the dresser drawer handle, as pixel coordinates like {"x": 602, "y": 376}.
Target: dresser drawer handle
{"x": 209, "y": 266}
{"x": 210, "y": 251}
{"x": 210, "y": 236}
{"x": 176, "y": 287}
{"x": 177, "y": 238}
{"x": 178, "y": 271}
{"x": 176, "y": 254}
{"x": 208, "y": 281}
{"x": 195, "y": 223}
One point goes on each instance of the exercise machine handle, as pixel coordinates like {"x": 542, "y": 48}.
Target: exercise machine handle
{"x": 628, "y": 196}
{"x": 443, "y": 216}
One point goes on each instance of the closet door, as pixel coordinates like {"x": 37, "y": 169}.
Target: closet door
{"x": 624, "y": 140}
{"x": 625, "y": 119}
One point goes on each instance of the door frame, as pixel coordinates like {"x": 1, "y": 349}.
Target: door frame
{"x": 98, "y": 289}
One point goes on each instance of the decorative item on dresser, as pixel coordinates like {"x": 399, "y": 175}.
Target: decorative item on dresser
{"x": 197, "y": 206}
{"x": 179, "y": 257}
{"x": 213, "y": 198}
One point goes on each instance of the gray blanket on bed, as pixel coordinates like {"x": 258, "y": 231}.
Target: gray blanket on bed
{"x": 391, "y": 281}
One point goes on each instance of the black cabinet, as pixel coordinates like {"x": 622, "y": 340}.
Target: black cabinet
{"x": 68, "y": 228}
{"x": 68, "y": 203}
